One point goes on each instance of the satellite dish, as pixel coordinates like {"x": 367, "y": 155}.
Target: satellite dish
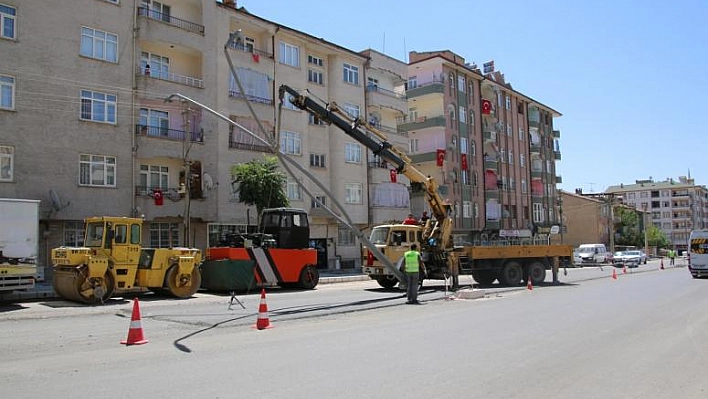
{"x": 208, "y": 181}
{"x": 57, "y": 205}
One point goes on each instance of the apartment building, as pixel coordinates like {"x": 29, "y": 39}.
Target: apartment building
{"x": 586, "y": 220}
{"x": 87, "y": 130}
{"x": 491, "y": 148}
{"x": 676, "y": 206}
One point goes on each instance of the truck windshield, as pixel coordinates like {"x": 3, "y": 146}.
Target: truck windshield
{"x": 379, "y": 235}
{"x": 94, "y": 235}
{"x": 587, "y": 250}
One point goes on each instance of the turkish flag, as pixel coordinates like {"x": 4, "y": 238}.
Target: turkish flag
{"x": 441, "y": 157}
{"x": 394, "y": 175}
{"x": 158, "y": 197}
{"x": 464, "y": 161}
{"x": 486, "y": 107}
{"x": 256, "y": 57}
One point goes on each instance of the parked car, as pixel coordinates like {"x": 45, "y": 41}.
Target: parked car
{"x": 593, "y": 253}
{"x": 632, "y": 258}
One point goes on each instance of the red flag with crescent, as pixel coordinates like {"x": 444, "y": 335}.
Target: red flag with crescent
{"x": 464, "y": 161}
{"x": 486, "y": 107}
{"x": 394, "y": 175}
{"x": 157, "y": 196}
{"x": 441, "y": 157}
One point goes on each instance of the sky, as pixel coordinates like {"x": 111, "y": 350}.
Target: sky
{"x": 630, "y": 77}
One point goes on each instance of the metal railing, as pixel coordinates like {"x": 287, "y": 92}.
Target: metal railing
{"x": 170, "y": 20}
{"x": 246, "y": 48}
{"x": 170, "y": 134}
{"x": 248, "y": 146}
{"x": 251, "y": 98}
{"x": 171, "y": 77}
{"x": 376, "y": 89}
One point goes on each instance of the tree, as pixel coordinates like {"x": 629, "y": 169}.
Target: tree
{"x": 259, "y": 183}
{"x": 628, "y": 229}
{"x": 657, "y": 238}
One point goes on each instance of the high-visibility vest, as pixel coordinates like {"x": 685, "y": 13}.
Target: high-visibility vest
{"x": 412, "y": 265}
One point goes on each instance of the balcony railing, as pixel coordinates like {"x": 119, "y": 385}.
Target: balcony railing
{"x": 421, "y": 122}
{"x": 251, "y": 98}
{"x": 170, "y": 20}
{"x": 171, "y": 77}
{"x": 247, "y": 48}
{"x": 170, "y": 134}
{"x": 557, "y": 155}
{"x": 375, "y": 89}
{"x": 426, "y": 88}
{"x": 248, "y": 146}
{"x": 172, "y": 193}
{"x": 490, "y": 135}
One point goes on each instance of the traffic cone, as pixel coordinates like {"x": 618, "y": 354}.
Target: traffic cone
{"x": 662, "y": 264}
{"x": 614, "y": 274}
{"x": 262, "y": 323}
{"x": 529, "y": 285}
{"x": 135, "y": 332}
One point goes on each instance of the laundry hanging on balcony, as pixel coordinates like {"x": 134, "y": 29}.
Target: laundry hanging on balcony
{"x": 255, "y": 84}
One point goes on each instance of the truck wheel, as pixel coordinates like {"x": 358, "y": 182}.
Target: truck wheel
{"x": 309, "y": 277}
{"x": 484, "y": 277}
{"x": 183, "y": 286}
{"x": 537, "y": 272}
{"x": 511, "y": 274}
{"x": 387, "y": 282}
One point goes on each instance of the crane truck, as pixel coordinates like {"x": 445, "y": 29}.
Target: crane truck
{"x": 19, "y": 228}
{"x": 510, "y": 264}
{"x": 112, "y": 261}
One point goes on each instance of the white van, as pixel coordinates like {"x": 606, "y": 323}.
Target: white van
{"x": 698, "y": 253}
{"x": 592, "y": 253}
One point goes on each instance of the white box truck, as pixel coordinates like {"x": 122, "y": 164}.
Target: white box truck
{"x": 19, "y": 243}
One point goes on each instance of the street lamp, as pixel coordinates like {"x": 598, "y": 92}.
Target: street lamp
{"x": 646, "y": 237}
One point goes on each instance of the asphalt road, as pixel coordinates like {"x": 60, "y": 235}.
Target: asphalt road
{"x": 637, "y": 336}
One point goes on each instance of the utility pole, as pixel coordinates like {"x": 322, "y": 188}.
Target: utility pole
{"x": 646, "y": 237}
{"x": 611, "y": 224}
{"x": 187, "y": 165}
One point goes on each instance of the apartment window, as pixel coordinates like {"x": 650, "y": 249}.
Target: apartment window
{"x": 461, "y": 83}
{"x": 412, "y": 82}
{"x": 471, "y": 93}
{"x": 322, "y": 200}
{"x": 512, "y": 184}
{"x": 521, "y": 134}
{"x": 524, "y": 189}
{"x": 7, "y": 21}
{"x": 292, "y": 189}
{"x": 511, "y": 157}
{"x": 466, "y": 209}
{"x": 164, "y": 235}
{"x": 289, "y": 54}
{"x": 73, "y": 233}
{"x": 311, "y": 59}
{"x": 372, "y": 83}
{"x": 508, "y": 101}
{"x": 98, "y": 107}
{"x": 352, "y": 153}
{"x": 538, "y": 213}
{"x": 463, "y": 115}
{"x": 508, "y": 130}
{"x": 473, "y": 148}
{"x": 522, "y": 160}
{"x": 503, "y": 155}
{"x": 157, "y": 9}
{"x": 413, "y": 146}
{"x": 465, "y": 176}
{"x": 97, "y": 170}
{"x": 155, "y": 65}
{"x": 351, "y": 74}
{"x": 317, "y": 160}
{"x": 352, "y": 110}
{"x": 288, "y": 104}
{"x": 472, "y": 117}
{"x": 7, "y": 92}
{"x": 475, "y": 178}
{"x": 154, "y": 177}
{"x": 630, "y": 195}
{"x": 345, "y": 237}
{"x": 315, "y": 120}
{"x": 157, "y": 122}
{"x": 451, "y": 79}
{"x": 99, "y": 44}
{"x": 353, "y": 193}
{"x": 290, "y": 143}
{"x": 463, "y": 145}
{"x": 315, "y": 77}
{"x": 7, "y": 163}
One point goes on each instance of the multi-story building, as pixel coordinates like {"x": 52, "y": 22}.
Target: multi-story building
{"x": 676, "y": 207}
{"x": 491, "y": 148}
{"x": 84, "y": 117}
{"x": 586, "y": 220}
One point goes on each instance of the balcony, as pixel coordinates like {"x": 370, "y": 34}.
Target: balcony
{"x": 536, "y": 174}
{"x": 169, "y": 134}
{"x": 170, "y": 20}
{"x": 434, "y": 87}
{"x": 384, "y": 98}
{"x": 534, "y": 117}
{"x": 491, "y": 164}
{"x": 493, "y": 225}
{"x": 170, "y": 77}
{"x": 250, "y": 98}
{"x": 490, "y": 135}
{"x": 557, "y": 155}
{"x": 422, "y": 122}
{"x": 491, "y": 193}
{"x": 535, "y": 148}
{"x": 559, "y": 179}
{"x": 556, "y": 134}
{"x": 424, "y": 157}
{"x": 248, "y": 48}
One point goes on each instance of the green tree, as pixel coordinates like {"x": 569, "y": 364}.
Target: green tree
{"x": 259, "y": 183}
{"x": 657, "y": 238}
{"x": 628, "y": 231}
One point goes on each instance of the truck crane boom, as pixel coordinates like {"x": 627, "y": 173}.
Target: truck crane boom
{"x": 438, "y": 234}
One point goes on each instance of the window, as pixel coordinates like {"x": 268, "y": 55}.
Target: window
{"x": 315, "y": 120}
{"x": 463, "y": 114}
{"x": 99, "y": 44}
{"x": 155, "y": 65}
{"x": 465, "y": 176}
{"x": 7, "y": 21}
{"x": 288, "y": 104}
{"x": 463, "y": 145}
{"x": 511, "y": 157}
{"x": 521, "y": 134}
{"x": 451, "y": 78}
{"x": 352, "y": 153}
{"x": 73, "y": 234}
{"x": 289, "y": 55}
{"x": 351, "y": 74}
{"x": 317, "y": 160}
{"x": 7, "y": 161}
{"x": 353, "y": 193}
{"x": 322, "y": 200}
{"x": 508, "y": 130}
{"x": 472, "y": 117}
{"x": 412, "y": 82}
{"x": 157, "y": 9}
{"x": 466, "y": 209}
{"x": 154, "y": 176}
{"x": 352, "y": 110}
{"x": 538, "y": 213}
{"x": 290, "y": 143}
{"x": 524, "y": 189}
{"x": 345, "y": 237}
{"x": 157, "y": 122}
{"x": 508, "y": 102}
{"x": 372, "y": 83}
{"x": 461, "y": 83}
{"x": 412, "y": 114}
{"x": 315, "y": 77}
{"x": 98, "y": 107}
{"x": 164, "y": 235}
{"x": 311, "y": 59}
{"x": 413, "y": 146}
{"x": 473, "y": 148}
{"x": 292, "y": 189}
{"x": 97, "y": 170}
{"x": 475, "y": 178}
{"x": 522, "y": 160}
{"x": 7, "y": 92}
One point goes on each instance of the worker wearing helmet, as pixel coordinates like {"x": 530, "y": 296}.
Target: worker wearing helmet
{"x": 413, "y": 264}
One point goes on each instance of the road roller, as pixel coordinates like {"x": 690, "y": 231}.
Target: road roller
{"x": 113, "y": 261}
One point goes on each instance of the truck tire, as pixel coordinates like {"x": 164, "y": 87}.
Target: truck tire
{"x": 309, "y": 277}
{"x": 511, "y": 274}
{"x": 484, "y": 277}
{"x": 536, "y": 272}
{"x": 387, "y": 282}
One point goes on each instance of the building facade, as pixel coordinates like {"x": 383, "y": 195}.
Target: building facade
{"x": 586, "y": 220}
{"x": 676, "y": 206}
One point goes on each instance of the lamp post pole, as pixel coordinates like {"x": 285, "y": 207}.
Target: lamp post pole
{"x": 646, "y": 236}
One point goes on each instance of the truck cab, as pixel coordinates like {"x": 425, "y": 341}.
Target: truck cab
{"x": 393, "y": 240}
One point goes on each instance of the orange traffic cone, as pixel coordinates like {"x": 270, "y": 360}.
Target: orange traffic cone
{"x": 614, "y": 274}
{"x": 262, "y": 323}
{"x": 662, "y": 264}
{"x": 529, "y": 285}
{"x": 135, "y": 332}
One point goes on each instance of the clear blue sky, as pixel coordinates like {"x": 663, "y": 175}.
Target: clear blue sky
{"x": 630, "y": 77}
